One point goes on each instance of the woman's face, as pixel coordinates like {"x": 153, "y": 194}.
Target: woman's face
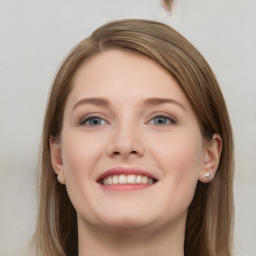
{"x": 127, "y": 118}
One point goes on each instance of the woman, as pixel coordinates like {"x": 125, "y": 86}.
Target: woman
{"x": 137, "y": 150}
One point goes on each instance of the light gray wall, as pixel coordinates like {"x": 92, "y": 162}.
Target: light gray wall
{"x": 35, "y": 36}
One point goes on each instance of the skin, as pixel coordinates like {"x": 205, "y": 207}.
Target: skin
{"x": 149, "y": 221}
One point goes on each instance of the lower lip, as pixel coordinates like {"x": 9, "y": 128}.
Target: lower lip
{"x": 126, "y": 187}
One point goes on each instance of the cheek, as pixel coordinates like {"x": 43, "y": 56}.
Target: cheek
{"x": 181, "y": 162}
{"x": 180, "y": 152}
{"x": 80, "y": 155}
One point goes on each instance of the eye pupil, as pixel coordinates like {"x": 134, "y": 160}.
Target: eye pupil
{"x": 160, "y": 120}
{"x": 94, "y": 121}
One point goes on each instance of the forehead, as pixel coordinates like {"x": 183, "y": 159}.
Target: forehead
{"x": 124, "y": 73}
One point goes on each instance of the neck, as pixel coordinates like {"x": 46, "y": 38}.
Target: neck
{"x": 146, "y": 241}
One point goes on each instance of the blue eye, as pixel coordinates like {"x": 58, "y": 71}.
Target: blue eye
{"x": 93, "y": 121}
{"x": 162, "y": 120}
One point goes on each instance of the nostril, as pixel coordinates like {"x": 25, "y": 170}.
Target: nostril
{"x": 116, "y": 153}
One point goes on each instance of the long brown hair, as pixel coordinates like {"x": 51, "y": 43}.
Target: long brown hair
{"x": 210, "y": 214}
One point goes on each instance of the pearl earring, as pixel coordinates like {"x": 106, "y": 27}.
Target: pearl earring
{"x": 61, "y": 178}
{"x": 207, "y": 175}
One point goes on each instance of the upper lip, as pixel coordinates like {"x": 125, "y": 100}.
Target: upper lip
{"x": 126, "y": 171}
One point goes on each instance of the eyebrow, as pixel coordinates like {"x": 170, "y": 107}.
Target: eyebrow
{"x": 159, "y": 101}
{"x": 104, "y": 102}
{"x": 92, "y": 101}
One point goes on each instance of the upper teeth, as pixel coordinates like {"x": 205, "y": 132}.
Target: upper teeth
{"x": 127, "y": 179}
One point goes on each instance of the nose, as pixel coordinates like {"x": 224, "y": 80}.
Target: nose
{"x": 126, "y": 142}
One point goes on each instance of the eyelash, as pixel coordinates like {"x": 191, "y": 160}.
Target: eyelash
{"x": 166, "y": 117}
{"x": 88, "y": 119}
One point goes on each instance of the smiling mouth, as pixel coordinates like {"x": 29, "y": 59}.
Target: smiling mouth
{"x": 130, "y": 179}
{"x": 121, "y": 179}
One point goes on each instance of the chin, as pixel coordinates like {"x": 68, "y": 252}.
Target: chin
{"x": 126, "y": 221}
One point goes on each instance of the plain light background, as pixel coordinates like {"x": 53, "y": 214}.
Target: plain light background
{"x": 34, "y": 38}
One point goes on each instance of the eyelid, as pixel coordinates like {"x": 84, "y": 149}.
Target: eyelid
{"x": 172, "y": 119}
{"x": 85, "y": 118}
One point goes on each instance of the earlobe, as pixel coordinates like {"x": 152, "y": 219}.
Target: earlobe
{"x": 56, "y": 159}
{"x": 211, "y": 159}
{"x": 61, "y": 177}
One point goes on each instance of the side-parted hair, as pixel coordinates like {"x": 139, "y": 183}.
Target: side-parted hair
{"x": 210, "y": 214}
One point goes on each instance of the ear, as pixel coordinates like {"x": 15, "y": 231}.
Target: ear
{"x": 56, "y": 159}
{"x": 211, "y": 158}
